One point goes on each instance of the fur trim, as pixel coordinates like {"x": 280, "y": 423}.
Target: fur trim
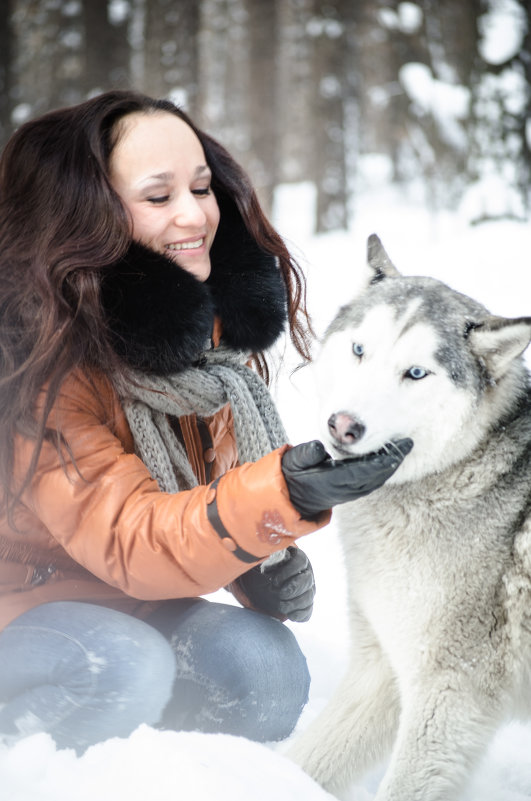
{"x": 161, "y": 317}
{"x": 247, "y": 286}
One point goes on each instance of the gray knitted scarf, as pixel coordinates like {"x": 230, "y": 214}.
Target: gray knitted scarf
{"x": 222, "y": 378}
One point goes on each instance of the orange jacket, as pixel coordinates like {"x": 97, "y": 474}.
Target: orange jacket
{"x": 105, "y": 533}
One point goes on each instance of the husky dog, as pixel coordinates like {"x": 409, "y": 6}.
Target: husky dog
{"x": 438, "y": 560}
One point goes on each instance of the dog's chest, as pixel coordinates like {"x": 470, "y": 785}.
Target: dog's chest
{"x": 389, "y": 566}
{"x": 413, "y": 560}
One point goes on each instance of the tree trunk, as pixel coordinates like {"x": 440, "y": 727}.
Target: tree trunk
{"x": 6, "y": 40}
{"x": 106, "y": 51}
{"x": 171, "y": 51}
{"x": 330, "y": 88}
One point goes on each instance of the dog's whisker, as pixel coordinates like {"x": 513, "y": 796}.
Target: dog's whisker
{"x": 391, "y": 447}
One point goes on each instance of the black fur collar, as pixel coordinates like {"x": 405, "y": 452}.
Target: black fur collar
{"x": 160, "y": 317}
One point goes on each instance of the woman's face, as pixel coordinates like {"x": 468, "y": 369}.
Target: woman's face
{"x": 159, "y": 170}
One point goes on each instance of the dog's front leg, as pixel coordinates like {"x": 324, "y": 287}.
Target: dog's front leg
{"x": 445, "y": 726}
{"x": 356, "y": 729}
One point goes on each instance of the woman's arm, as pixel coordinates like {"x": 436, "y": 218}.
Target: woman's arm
{"x": 110, "y": 516}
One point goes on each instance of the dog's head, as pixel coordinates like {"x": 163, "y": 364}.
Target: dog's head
{"x": 410, "y": 357}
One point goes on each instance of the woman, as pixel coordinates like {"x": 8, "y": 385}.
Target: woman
{"x": 142, "y": 461}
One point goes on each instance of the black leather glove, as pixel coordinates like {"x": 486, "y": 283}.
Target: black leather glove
{"x": 285, "y": 589}
{"x": 316, "y": 482}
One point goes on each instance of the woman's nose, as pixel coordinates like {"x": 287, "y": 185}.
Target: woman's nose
{"x": 188, "y": 211}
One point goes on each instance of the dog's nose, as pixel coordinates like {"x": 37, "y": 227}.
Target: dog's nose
{"x": 345, "y": 428}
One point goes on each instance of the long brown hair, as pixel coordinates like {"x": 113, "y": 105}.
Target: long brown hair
{"x": 61, "y": 225}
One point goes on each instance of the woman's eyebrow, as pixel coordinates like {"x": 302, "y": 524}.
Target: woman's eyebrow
{"x": 160, "y": 177}
{"x": 201, "y": 169}
{"x": 163, "y": 177}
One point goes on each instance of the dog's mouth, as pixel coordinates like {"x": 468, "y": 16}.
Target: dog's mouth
{"x": 340, "y": 452}
{"x": 347, "y": 453}
{"x": 348, "y": 438}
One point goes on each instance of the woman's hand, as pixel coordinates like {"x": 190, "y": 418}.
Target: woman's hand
{"x": 317, "y": 482}
{"x": 285, "y": 589}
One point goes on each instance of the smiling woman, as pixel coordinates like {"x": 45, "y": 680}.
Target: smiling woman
{"x": 159, "y": 169}
{"x": 142, "y": 461}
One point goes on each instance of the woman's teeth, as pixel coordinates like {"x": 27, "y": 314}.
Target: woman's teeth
{"x": 186, "y": 245}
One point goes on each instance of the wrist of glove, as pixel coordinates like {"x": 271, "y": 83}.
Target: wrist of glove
{"x": 285, "y": 589}
{"x": 316, "y": 482}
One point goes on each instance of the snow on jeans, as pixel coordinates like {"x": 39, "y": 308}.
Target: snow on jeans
{"x": 85, "y": 673}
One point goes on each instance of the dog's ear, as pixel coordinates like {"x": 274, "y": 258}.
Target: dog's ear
{"x": 378, "y": 260}
{"x": 497, "y": 341}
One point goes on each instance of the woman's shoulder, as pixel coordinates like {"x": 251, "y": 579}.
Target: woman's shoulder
{"x": 91, "y": 390}
{"x": 87, "y": 397}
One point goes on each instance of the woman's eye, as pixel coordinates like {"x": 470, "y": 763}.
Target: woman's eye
{"x": 357, "y": 349}
{"x": 201, "y": 192}
{"x": 158, "y": 200}
{"x": 416, "y": 373}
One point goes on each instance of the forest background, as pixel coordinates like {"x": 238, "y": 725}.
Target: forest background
{"x": 303, "y": 90}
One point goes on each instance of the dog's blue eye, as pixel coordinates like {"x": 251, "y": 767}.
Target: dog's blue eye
{"x": 357, "y": 349}
{"x": 416, "y": 373}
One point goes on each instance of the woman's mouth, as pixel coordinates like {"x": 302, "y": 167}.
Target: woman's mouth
{"x": 178, "y": 247}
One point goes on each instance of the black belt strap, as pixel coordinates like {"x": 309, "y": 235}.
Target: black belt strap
{"x": 215, "y": 521}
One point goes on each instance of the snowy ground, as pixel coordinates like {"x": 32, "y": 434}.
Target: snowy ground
{"x": 490, "y": 262}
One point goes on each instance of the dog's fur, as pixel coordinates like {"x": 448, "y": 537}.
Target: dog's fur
{"x": 439, "y": 559}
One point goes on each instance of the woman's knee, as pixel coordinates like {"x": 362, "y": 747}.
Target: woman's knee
{"x": 246, "y": 669}
{"x": 269, "y": 675}
{"x": 262, "y": 651}
{"x": 83, "y": 671}
{"x": 101, "y": 643}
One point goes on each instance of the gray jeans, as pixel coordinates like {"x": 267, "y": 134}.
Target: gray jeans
{"x": 85, "y": 673}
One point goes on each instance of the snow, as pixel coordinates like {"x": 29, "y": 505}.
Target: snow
{"x": 407, "y": 18}
{"x": 502, "y": 31}
{"x": 446, "y": 102}
{"x": 488, "y": 261}
{"x": 118, "y": 11}
{"x": 153, "y": 765}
